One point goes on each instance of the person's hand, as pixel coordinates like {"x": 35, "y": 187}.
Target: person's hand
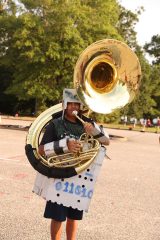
{"x": 88, "y": 128}
{"x": 41, "y": 150}
{"x": 74, "y": 146}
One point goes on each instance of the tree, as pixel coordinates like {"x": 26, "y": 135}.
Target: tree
{"x": 146, "y": 104}
{"x": 155, "y": 81}
{"x": 153, "y": 48}
{"x": 42, "y": 39}
{"x": 43, "y": 42}
{"x": 126, "y": 25}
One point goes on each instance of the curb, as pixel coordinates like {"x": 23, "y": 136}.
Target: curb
{"x": 14, "y": 127}
{"x": 117, "y": 137}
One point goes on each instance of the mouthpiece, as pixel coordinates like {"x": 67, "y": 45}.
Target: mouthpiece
{"x": 75, "y": 113}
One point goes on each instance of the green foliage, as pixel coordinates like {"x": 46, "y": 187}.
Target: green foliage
{"x": 153, "y": 48}
{"x": 43, "y": 43}
{"x": 146, "y": 104}
{"x": 40, "y": 42}
{"x": 126, "y": 24}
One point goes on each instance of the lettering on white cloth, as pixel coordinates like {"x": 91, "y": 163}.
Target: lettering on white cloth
{"x": 75, "y": 192}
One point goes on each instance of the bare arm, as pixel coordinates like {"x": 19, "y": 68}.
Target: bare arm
{"x": 97, "y": 133}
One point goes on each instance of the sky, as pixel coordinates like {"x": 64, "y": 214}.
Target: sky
{"x": 149, "y": 20}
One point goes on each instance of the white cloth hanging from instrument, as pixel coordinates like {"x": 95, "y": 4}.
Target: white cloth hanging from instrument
{"x": 75, "y": 192}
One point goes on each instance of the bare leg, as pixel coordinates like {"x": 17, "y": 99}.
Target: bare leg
{"x": 56, "y": 230}
{"x": 71, "y": 229}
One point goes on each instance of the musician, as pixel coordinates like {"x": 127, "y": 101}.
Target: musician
{"x": 62, "y": 136}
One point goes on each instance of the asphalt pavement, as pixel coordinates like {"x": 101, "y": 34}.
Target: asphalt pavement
{"x": 126, "y": 201}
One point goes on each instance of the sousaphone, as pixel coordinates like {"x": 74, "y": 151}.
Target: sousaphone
{"x": 106, "y": 77}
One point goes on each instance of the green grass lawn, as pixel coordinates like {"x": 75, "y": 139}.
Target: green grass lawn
{"x": 130, "y": 127}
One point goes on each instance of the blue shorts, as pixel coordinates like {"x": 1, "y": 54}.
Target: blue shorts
{"x": 60, "y": 213}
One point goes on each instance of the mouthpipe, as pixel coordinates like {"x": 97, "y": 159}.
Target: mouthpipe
{"x": 75, "y": 113}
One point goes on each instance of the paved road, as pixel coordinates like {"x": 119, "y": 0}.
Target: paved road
{"x": 125, "y": 205}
